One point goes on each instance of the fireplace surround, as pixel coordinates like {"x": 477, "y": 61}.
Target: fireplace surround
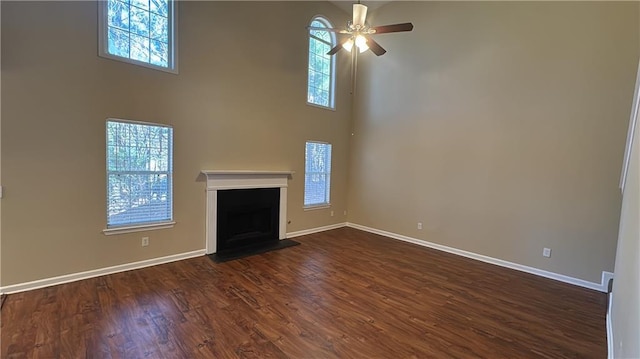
{"x": 219, "y": 180}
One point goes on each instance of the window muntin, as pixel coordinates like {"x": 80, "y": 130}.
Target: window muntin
{"x": 321, "y": 70}
{"x": 139, "y": 31}
{"x": 317, "y": 174}
{"x": 139, "y": 173}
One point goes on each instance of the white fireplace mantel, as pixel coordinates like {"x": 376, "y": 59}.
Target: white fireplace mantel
{"x": 242, "y": 179}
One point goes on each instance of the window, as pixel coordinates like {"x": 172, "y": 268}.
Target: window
{"x": 317, "y": 174}
{"x": 139, "y": 174}
{"x": 321, "y": 80}
{"x": 138, "y": 31}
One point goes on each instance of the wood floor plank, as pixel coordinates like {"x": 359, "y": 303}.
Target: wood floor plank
{"x": 341, "y": 294}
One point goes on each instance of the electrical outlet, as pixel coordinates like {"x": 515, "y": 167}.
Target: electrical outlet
{"x": 546, "y": 252}
{"x": 419, "y": 225}
{"x": 145, "y": 241}
{"x": 344, "y": 213}
{"x": 331, "y": 213}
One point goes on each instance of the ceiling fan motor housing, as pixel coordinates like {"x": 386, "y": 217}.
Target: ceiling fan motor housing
{"x": 359, "y": 15}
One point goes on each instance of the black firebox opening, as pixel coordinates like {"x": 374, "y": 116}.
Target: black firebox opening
{"x": 247, "y": 218}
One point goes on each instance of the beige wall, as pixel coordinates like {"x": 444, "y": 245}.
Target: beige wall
{"x": 501, "y": 127}
{"x": 625, "y": 311}
{"x": 239, "y": 102}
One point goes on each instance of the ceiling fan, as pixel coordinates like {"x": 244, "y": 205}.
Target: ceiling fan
{"x": 358, "y": 33}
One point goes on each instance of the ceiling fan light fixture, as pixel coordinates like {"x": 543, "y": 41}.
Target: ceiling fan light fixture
{"x": 361, "y": 43}
{"x": 348, "y": 45}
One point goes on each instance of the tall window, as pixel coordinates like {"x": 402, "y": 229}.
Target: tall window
{"x": 138, "y": 31}
{"x": 317, "y": 174}
{"x": 321, "y": 80}
{"x": 139, "y": 173}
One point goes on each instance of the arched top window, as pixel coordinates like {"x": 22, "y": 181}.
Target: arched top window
{"x": 321, "y": 78}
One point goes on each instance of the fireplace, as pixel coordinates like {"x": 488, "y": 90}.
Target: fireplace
{"x": 247, "y": 218}
{"x": 245, "y": 207}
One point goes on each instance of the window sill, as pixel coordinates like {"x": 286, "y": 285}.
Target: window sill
{"x": 138, "y": 228}
{"x": 169, "y": 69}
{"x": 316, "y": 206}
{"x": 320, "y": 106}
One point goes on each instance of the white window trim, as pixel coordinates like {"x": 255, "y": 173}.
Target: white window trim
{"x": 173, "y": 39}
{"x": 143, "y": 226}
{"x": 635, "y": 113}
{"x": 323, "y": 205}
{"x": 332, "y": 89}
{"x": 313, "y": 207}
{"x": 319, "y": 106}
{"x": 138, "y": 228}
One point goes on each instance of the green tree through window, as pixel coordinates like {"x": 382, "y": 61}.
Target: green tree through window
{"x": 321, "y": 76}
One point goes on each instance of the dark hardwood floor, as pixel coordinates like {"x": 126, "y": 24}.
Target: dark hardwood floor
{"x": 341, "y": 294}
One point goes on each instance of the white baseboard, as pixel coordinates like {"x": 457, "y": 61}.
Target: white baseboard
{"x": 304, "y": 232}
{"x": 604, "y": 282}
{"x": 609, "y": 328}
{"x": 602, "y": 287}
{"x": 21, "y": 287}
{"x": 47, "y": 282}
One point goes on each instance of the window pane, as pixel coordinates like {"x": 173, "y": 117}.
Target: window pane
{"x": 317, "y": 63}
{"x": 317, "y": 173}
{"x": 138, "y": 189}
{"x": 140, "y": 30}
{"x": 118, "y": 13}
{"x": 320, "y": 70}
{"x": 321, "y": 61}
{"x": 319, "y": 78}
{"x": 159, "y": 28}
{"x": 137, "y": 199}
{"x": 112, "y": 163}
{"x": 159, "y": 53}
{"x": 160, "y": 7}
{"x": 312, "y": 78}
{"x": 143, "y": 4}
{"x": 323, "y": 35}
{"x": 139, "y": 48}
{"x": 139, "y": 21}
{"x": 118, "y": 42}
{"x": 319, "y": 96}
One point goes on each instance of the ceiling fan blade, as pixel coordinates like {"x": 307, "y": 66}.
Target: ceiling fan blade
{"x": 375, "y": 47}
{"x": 407, "y": 26}
{"x": 329, "y": 29}
{"x": 335, "y": 50}
{"x": 338, "y": 47}
{"x": 359, "y": 14}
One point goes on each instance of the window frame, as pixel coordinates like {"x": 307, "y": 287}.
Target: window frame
{"x": 321, "y": 205}
{"x": 172, "y": 19}
{"x": 137, "y": 227}
{"x": 332, "y": 63}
